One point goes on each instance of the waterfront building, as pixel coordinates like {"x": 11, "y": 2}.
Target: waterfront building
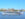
{"x": 11, "y": 10}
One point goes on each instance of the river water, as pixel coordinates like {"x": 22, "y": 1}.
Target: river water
{"x": 12, "y": 17}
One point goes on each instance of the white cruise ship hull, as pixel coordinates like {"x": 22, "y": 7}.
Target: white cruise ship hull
{"x": 21, "y": 13}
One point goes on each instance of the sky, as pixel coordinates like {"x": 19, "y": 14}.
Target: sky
{"x": 16, "y": 4}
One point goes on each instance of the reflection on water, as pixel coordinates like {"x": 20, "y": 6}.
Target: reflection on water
{"x": 12, "y": 17}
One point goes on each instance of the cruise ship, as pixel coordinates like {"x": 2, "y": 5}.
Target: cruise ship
{"x": 12, "y": 13}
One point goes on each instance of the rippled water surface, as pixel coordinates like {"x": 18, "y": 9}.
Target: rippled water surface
{"x": 12, "y": 17}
